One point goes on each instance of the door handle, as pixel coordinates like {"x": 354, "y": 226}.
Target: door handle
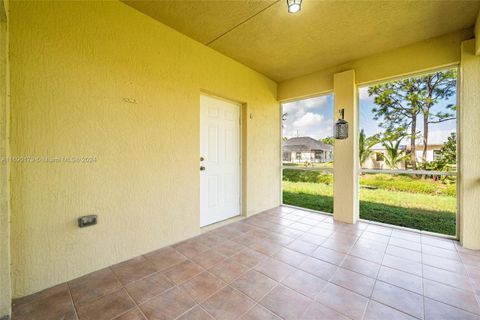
{"x": 202, "y": 158}
{"x": 202, "y": 168}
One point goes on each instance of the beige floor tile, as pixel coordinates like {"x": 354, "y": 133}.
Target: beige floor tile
{"x": 134, "y": 269}
{"x": 401, "y": 279}
{"x": 317, "y": 311}
{"x": 455, "y": 297}
{"x": 149, "y": 287}
{"x": 398, "y": 298}
{"x": 208, "y": 258}
{"x": 286, "y": 303}
{"x": 259, "y": 313}
{"x": 254, "y": 284}
{"x": 318, "y": 268}
{"x": 183, "y": 271}
{"x": 228, "y": 304}
{"x": 106, "y": 307}
{"x": 228, "y": 270}
{"x": 165, "y": 258}
{"x": 290, "y": 257}
{"x": 353, "y": 281}
{"x": 132, "y": 314}
{"x": 365, "y": 267}
{"x": 93, "y": 286}
{"x": 435, "y": 310}
{"x": 202, "y": 286}
{"x": 168, "y": 305}
{"x": 305, "y": 283}
{"x": 275, "y": 269}
{"x": 197, "y": 313}
{"x": 378, "y": 311}
{"x": 344, "y": 301}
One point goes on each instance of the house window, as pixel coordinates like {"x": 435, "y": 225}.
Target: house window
{"x": 298, "y": 155}
{"x": 318, "y": 154}
{"x": 379, "y": 157}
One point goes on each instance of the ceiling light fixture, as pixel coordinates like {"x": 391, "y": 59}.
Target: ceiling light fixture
{"x": 294, "y": 6}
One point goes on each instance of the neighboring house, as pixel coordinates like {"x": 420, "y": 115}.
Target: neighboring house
{"x": 377, "y": 158}
{"x": 433, "y": 150}
{"x": 306, "y": 149}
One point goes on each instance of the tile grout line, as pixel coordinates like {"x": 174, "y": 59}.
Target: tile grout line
{"x": 229, "y": 284}
{"x": 376, "y": 278}
{"x": 71, "y": 299}
{"x": 471, "y": 281}
{"x": 329, "y": 281}
{"x": 298, "y": 237}
{"x": 345, "y": 256}
{"x": 278, "y": 283}
{"x": 131, "y": 298}
{"x": 422, "y": 265}
{"x": 303, "y": 233}
{"x": 199, "y": 304}
{"x": 423, "y": 282}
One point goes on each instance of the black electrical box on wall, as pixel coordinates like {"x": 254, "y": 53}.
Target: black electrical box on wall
{"x": 87, "y": 221}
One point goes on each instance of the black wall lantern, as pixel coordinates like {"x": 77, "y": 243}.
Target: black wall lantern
{"x": 341, "y": 126}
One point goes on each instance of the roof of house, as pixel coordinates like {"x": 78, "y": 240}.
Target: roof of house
{"x": 305, "y": 144}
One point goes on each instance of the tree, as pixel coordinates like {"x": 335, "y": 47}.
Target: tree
{"x": 448, "y": 154}
{"x": 327, "y": 140}
{"x": 365, "y": 146}
{"x": 393, "y": 154}
{"x": 401, "y": 102}
{"x": 434, "y": 87}
{"x": 398, "y": 109}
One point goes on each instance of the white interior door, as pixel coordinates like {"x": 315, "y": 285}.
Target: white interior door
{"x": 220, "y": 167}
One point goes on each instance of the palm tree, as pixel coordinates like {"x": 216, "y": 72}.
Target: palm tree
{"x": 365, "y": 146}
{"x": 393, "y": 153}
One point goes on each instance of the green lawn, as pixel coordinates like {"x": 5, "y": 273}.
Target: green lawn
{"x": 426, "y": 210}
{"x": 381, "y": 181}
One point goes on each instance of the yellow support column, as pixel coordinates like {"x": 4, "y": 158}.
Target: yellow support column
{"x": 469, "y": 147}
{"x": 345, "y": 186}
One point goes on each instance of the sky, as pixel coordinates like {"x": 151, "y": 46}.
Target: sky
{"x": 314, "y": 118}
{"x": 309, "y": 117}
{"x": 438, "y": 133}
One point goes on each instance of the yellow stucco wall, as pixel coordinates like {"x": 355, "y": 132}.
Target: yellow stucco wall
{"x": 425, "y": 55}
{"x": 100, "y": 79}
{"x": 5, "y": 284}
{"x": 469, "y": 147}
